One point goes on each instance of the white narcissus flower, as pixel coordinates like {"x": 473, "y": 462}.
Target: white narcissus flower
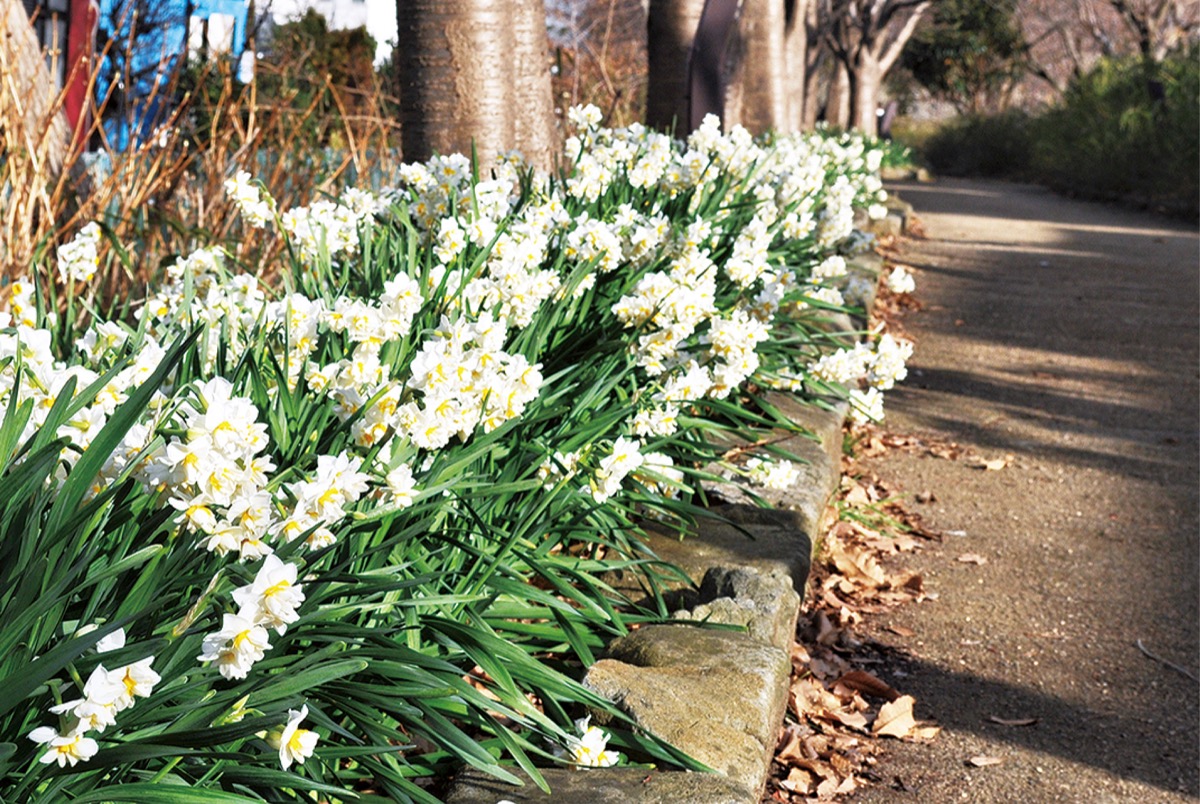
{"x": 65, "y": 749}
{"x": 901, "y": 281}
{"x": 772, "y": 475}
{"x": 272, "y": 598}
{"x": 401, "y": 485}
{"x": 137, "y": 679}
{"x": 866, "y": 406}
{"x": 294, "y": 743}
{"x": 79, "y": 259}
{"x": 236, "y": 647}
{"x": 111, "y": 641}
{"x": 591, "y": 749}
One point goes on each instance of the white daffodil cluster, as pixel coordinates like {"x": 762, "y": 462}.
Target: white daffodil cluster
{"x": 614, "y": 468}
{"x": 900, "y": 280}
{"x": 218, "y": 479}
{"x": 659, "y": 475}
{"x": 707, "y": 241}
{"x": 876, "y": 369}
{"x": 106, "y": 694}
{"x": 79, "y": 259}
{"x": 215, "y": 473}
{"x": 771, "y": 474}
{"x": 331, "y": 228}
{"x": 256, "y": 207}
{"x": 29, "y": 370}
{"x": 270, "y": 601}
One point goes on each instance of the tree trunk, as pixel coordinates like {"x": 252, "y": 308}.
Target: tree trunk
{"x": 671, "y": 29}
{"x": 456, "y": 77}
{"x": 27, "y": 94}
{"x": 534, "y": 130}
{"x": 865, "y": 82}
{"x": 837, "y": 107}
{"x": 795, "y": 46}
{"x": 816, "y": 63}
{"x": 759, "y": 64}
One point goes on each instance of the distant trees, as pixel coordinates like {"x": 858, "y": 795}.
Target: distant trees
{"x": 971, "y": 54}
{"x": 867, "y": 37}
{"x": 1068, "y": 37}
{"x": 782, "y": 63}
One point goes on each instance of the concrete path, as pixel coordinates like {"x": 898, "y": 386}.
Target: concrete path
{"x": 1066, "y": 335}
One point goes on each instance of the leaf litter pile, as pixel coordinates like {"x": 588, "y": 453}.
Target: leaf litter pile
{"x": 839, "y": 712}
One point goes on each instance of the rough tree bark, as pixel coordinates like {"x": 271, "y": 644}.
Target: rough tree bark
{"x": 456, "y": 77}
{"x": 838, "y": 101}
{"x": 757, "y": 94}
{"x": 534, "y": 130}
{"x": 671, "y": 29}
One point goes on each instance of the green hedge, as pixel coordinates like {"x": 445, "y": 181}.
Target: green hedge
{"x": 1128, "y": 129}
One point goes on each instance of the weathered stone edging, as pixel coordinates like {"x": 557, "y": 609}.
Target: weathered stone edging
{"x": 719, "y": 696}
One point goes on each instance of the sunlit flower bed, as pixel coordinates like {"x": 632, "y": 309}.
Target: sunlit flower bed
{"x": 341, "y": 524}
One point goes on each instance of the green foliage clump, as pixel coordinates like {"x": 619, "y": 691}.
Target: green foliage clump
{"x": 995, "y": 146}
{"x": 1129, "y": 129}
{"x": 970, "y": 56}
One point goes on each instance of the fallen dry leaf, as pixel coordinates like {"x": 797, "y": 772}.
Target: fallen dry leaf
{"x": 900, "y": 630}
{"x": 867, "y": 684}
{"x": 972, "y": 558}
{"x": 791, "y": 747}
{"x": 924, "y": 734}
{"x": 858, "y": 495}
{"x": 857, "y": 565}
{"x": 854, "y": 720}
{"x": 993, "y": 465}
{"x": 811, "y": 697}
{"x": 798, "y": 781}
{"x": 983, "y": 762}
{"x": 1021, "y": 721}
{"x": 896, "y": 718}
{"x": 827, "y": 633}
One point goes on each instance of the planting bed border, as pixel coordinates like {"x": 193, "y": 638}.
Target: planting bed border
{"x": 719, "y": 695}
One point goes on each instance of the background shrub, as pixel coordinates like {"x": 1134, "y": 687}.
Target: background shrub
{"x": 1128, "y": 129}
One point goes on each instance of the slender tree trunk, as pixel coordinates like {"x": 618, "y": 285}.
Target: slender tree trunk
{"x": 671, "y": 29}
{"x": 866, "y": 82}
{"x": 534, "y": 130}
{"x": 27, "y": 94}
{"x": 837, "y": 107}
{"x": 758, "y": 80}
{"x": 795, "y": 46}
{"x": 816, "y": 62}
{"x": 456, "y": 77}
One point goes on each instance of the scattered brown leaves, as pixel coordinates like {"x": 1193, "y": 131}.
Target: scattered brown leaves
{"x": 838, "y": 712}
{"x": 874, "y": 441}
{"x": 983, "y": 762}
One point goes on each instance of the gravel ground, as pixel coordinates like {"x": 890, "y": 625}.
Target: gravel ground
{"x": 1065, "y": 335}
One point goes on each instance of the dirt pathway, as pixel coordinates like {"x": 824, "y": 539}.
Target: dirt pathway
{"x": 1065, "y": 335}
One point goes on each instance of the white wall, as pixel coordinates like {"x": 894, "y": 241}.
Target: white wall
{"x": 378, "y": 15}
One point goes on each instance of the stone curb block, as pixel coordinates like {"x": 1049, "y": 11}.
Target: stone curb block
{"x": 718, "y": 695}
